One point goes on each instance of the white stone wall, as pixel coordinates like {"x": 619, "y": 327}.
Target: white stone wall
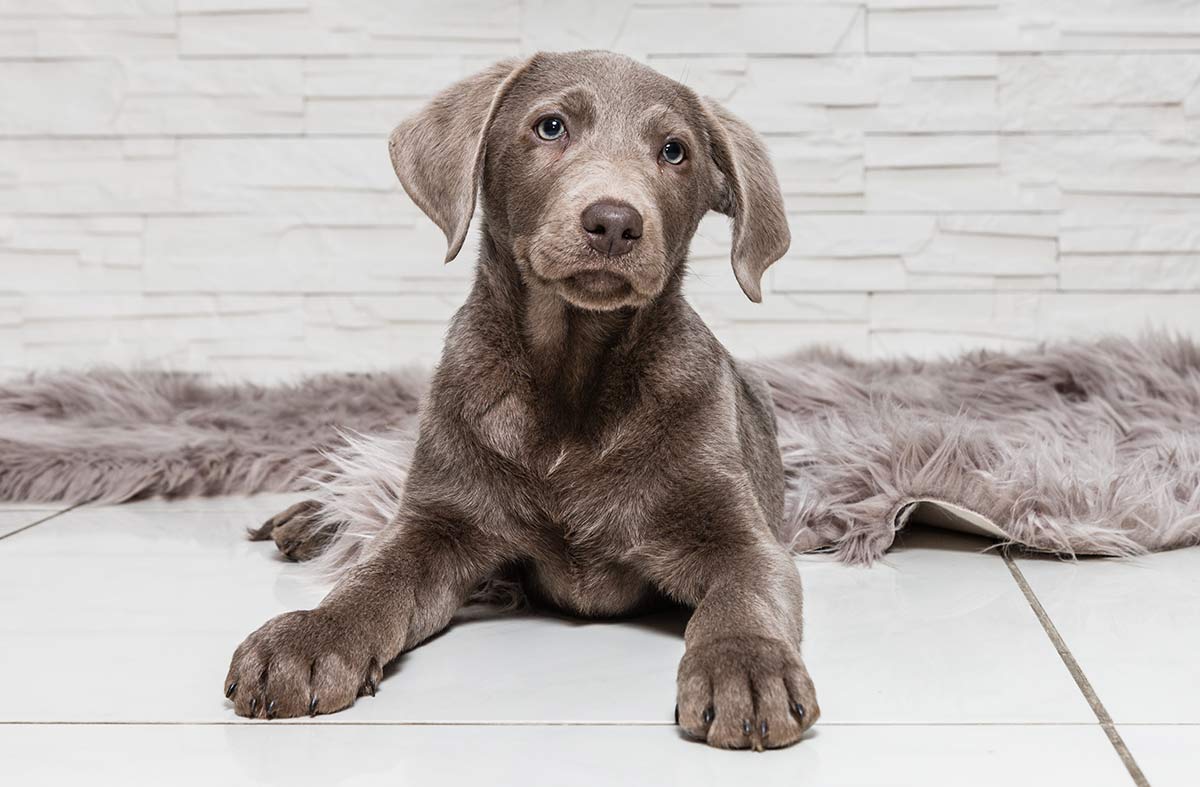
{"x": 204, "y": 184}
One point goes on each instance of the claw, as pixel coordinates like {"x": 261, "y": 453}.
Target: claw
{"x": 371, "y": 687}
{"x": 253, "y": 706}
{"x": 709, "y": 715}
{"x": 763, "y": 730}
{"x": 745, "y": 726}
{"x": 231, "y": 689}
{"x": 677, "y": 714}
{"x": 271, "y": 709}
{"x": 312, "y": 706}
{"x": 798, "y": 709}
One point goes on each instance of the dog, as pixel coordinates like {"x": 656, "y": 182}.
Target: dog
{"x": 584, "y": 431}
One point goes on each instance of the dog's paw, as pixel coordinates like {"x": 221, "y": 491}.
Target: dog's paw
{"x": 745, "y": 693}
{"x": 297, "y": 531}
{"x": 300, "y": 664}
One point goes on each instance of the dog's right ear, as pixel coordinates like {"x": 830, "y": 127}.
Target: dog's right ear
{"x": 438, "y": 153}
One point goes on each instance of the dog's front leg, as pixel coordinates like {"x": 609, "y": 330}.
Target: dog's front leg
{"x": 742, "y": 683}
{"x": 407, "y": 589}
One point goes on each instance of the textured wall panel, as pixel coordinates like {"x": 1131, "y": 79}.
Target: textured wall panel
{"x": 204, "y": 184}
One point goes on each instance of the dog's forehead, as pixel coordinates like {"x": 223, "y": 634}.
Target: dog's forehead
{"x": 614, "y": 82}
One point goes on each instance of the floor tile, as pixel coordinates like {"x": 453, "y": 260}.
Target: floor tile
{"x": 13, "y": 519}
{"x": 1133, "y": 626}
{"x": 932, "y": 634}
{"x": 23, "y": 506}
{"x": 1169, "y": 755}
{"x": 528, "y": 756}
{"x": 138, "y": 609}
{"x": 156, "y": 602}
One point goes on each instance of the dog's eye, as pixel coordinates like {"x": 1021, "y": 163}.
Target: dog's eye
{"x": 550, "y": 128}
{"x": 673, "y": 152}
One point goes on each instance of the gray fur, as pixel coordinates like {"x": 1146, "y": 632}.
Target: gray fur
{"x": 1085, "y": 447}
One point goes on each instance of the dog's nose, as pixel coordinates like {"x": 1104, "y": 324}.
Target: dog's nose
{"x": 612, "y": 227}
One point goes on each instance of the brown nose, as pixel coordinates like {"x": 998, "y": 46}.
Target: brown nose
{"x": 612, "y": 227}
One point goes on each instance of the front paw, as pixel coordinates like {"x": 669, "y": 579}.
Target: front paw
{"x": 301, "y": 664}
{"x": 745, "y": 692}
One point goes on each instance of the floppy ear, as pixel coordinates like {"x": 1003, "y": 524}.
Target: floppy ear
{"x": 438, "y": 153}
{"x": 750, "y": 195}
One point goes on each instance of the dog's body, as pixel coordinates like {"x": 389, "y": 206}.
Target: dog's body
{"x": 584, "y": 430}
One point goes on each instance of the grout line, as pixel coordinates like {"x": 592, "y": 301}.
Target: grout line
{"x": 1085, "y": 686}
{"x": 39, "y": 521}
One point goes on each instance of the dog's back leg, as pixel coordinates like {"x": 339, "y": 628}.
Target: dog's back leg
{"x": 298, "y": 531}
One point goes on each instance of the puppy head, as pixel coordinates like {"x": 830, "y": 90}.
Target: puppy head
{"x": 595, "y": 172}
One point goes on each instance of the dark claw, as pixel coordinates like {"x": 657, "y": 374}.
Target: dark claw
{"x": 798, "y": 709}
{"x": 371, "y": 687}
{"x": 253, "y": 705}
{"x": 288, "y": 546}
{"x": 763, "y": 730}
{"x": 312, "y": 706}
{"x": 271, "y": 709}
{"x": 709, "y": 715}
{"x": 745, "y": 726}
{"x": 676, "y": 714}
{"x": 230, "y": 690}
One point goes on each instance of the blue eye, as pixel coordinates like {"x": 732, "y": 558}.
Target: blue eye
{"x": 550, "y": 128}
{"x": 673, "y": 152}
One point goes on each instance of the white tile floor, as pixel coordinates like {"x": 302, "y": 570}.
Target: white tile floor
{"x": 116, "y": 626}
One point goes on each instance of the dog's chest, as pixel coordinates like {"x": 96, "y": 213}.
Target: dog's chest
{"x": 590, "y": 588}
{"x": 589, "y": 525}
{"x": 590, "y": 494}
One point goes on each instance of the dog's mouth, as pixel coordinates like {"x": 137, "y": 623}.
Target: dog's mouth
{"x": 597, "y": 289}
{"x": 599, "y": 283}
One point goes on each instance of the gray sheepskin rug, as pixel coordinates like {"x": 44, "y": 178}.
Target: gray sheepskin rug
{"x": 1074, "y": 448}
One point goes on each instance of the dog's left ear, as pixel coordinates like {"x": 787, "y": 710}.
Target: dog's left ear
{"x": 750, "y": 195}
{"x": 438, "y": 153}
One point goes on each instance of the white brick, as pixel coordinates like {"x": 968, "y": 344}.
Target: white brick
{"x": 934, "y": 345}
{"x": 1163, "y": 272}
{"x": 318, "y": 180}
{"x": 42, "y": 254}
{"x": 94, "y": 87}
{"x": 773, "y": 340}
{"x": 987, "y": 29}
{"x": 755, "y": 29}
{"x": 1095, "y": 92}
{"x": 819, "y": 163}
{"x": 782, "y": 307}
{"x": 1169, "y": 33}
{"x": 1005, "y": 315}
{"x": 1089, "y": 314}
{"x": 279, "y": 254}
{"x": 152, "y": 96}
{"x": 83, "y": 176}
{"x": 331, "y": 27}
{"x": 209, "y": 187}
{"x": 71, "y": 35}
{"x": 1130, "y": 233}
{"x": 796, "y": 273}
{"x": 861, "y": 236}
{"x": 906, "y": 151}
{"x": 213, "y": 6}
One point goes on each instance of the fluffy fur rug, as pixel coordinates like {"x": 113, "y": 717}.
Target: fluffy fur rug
{"x": 1083, "y": 447}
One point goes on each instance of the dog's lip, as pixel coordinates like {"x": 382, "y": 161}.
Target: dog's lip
{"x": 598, "y": 282}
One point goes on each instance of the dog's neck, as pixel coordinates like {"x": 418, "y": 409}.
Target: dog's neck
{"x": 572, "y": 355}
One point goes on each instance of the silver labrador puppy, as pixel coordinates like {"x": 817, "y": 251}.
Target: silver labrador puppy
{"x": 584, "y": 431}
